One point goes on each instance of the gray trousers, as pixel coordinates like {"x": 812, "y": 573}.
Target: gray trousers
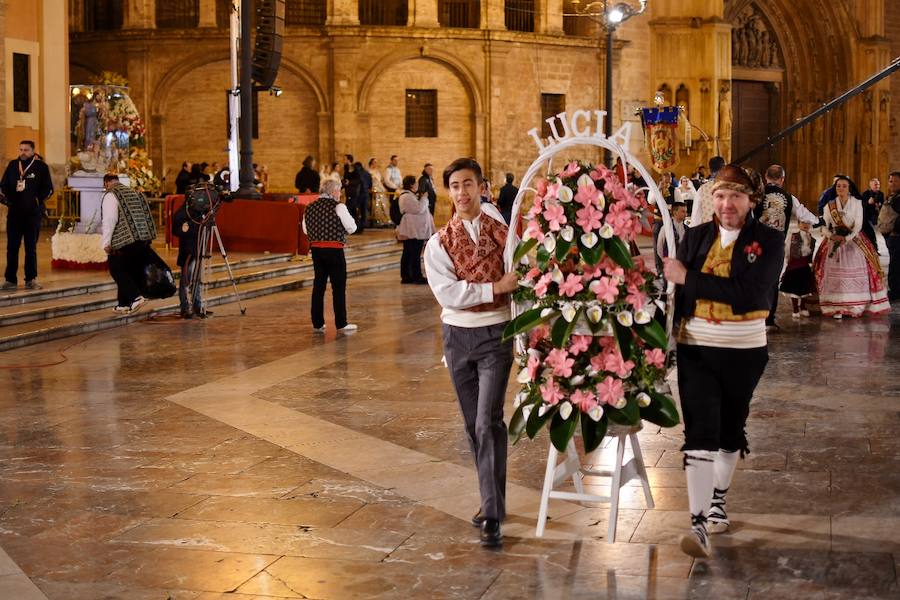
{"x": 479, "y": 364}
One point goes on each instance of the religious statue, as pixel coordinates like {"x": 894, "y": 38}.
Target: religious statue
{"x": 868, "y": 119}
{"x": 818, "y": 133}
{"x": 837, "y": 125}
{"x": 725, "y": 119}
{"x": 884, "y": 111}
{"x": 796, "y": 115}
{"x": 87, "y": 123}
{"x": 90, "y": 159}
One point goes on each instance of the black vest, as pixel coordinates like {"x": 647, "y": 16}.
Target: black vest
{"x": 322, "y": 222}
{"x": 775, "y": 209}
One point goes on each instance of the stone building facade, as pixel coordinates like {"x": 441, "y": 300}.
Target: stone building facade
{"x": 743, "y": 69}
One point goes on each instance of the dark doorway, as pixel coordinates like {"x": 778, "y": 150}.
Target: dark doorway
{"x": 755, "y": 111}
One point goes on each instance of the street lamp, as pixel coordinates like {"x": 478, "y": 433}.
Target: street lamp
{"x": 609, "y": 15}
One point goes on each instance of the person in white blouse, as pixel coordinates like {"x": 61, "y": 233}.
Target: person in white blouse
{"x": 847, "y": 269}
{"x": 465, "y": 265}
{"x": 685, "y": 193}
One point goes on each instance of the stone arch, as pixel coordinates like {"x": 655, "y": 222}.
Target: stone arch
{"x": 458, "y": 68}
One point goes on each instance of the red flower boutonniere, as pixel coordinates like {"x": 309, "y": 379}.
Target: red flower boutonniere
{"x": 753, "y": 251}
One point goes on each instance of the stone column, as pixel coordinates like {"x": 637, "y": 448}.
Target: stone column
{"x": 550, "y": 17}
{"x": 493, "y": 15}
{"x": 343, "y": 12}
{"x": 53, "y": 93}
{"x": 140, "y": 14}
{"x": 207, "y": 13}
{"x": 423, "y": 13}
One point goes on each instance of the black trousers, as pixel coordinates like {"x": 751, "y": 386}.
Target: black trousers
{"x": 21, "y": 227}
{"x": 411, "y": 260}
{"x": 329, "y": 264}
{"x": 126, "y": 266}
{"x": 716, "y": 385}
{"x": 893, "y": 245}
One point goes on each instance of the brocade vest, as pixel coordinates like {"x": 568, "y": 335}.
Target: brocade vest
{"x": 481, "y": 263}
{"x": 323, "y": 223}
{"x": 135, "y": 222}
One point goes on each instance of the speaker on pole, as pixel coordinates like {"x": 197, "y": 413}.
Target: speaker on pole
{"x": 269, "y": 42}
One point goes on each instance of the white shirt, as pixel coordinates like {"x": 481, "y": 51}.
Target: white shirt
{"x": 852, "y": 215}
{"x": 343, "y": 214}
{"x": 109, "y": 211}
{"x": 455, "y": 295}
{"x": 393, "y": 178}
{"x": 803, "y": 214}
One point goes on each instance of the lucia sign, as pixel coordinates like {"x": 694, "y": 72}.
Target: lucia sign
{"x": 581, "y": 125}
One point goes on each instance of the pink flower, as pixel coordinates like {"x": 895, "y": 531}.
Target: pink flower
{"x": 534, "y": 231}
{"x": 610, "y": 390}
{"x": 541, "y": 187}
{"x": 559, "y": 360}
{"x": 540, "y": 288}
{"x": 606, "y": 290}
{"x": 634, "y": 278}
{"x": 532, "y": 273}
{"x": 533, "y": 367}
{"x": 572, "y": 169}
{"x": 614, "y": 363}
{"x": 580, "y": 343}
{"x": 584, "y": 399}
{"x": 612, "y": 268}
{"x": 587, "y": 195}
{"x": 655, "y": 358}
{"x": 537, "y": 335}
{"x": 597, "y": 362}
{"x": 571, "y": 286}
{"x": 636, "y": 298}
{"x": 588, "y": 218}
{"x": 551, "y": 393}
{"x": 556, "y": 217}
{"x": 591, "y": 271}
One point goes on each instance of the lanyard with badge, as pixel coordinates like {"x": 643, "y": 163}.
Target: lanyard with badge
{"x": 20, "y": 184}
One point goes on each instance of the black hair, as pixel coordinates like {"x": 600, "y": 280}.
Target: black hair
{"x": 461, "y": 164}
{"x": 27, "y": 143}
{"x": 308, "y": 161}
{"x": 716, "y": 163}
{"x": 510, "y": 178}
{"x": 371, "y": 160}
{"x": 110, "y": 177}
{"x": 409, "y": 181}
{"x": 349, "y": 157}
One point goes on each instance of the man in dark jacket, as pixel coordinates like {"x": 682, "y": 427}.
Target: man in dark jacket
{"x": 307, "y": 179}
{"x": 507, "y": 198}
{"x": 426, "y": 186}
{"x": 892, "y": 236}
{"x": 26, "y": 185}
{"x": 186, "y": 227}
{"x": 182, "y": 180}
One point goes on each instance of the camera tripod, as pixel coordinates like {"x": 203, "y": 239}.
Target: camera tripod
{"x": 207, "y": 241}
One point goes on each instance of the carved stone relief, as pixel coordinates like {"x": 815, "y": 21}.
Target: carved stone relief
{"x": 752, "y": 44}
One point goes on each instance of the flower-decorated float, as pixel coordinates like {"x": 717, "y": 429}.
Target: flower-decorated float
{"x": 591, "y": 327}
{"x": 107, "y": 137}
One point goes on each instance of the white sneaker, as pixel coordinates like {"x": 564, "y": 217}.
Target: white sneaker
{"x": 795, "y": 315}
{"x": 349, "y": 327}
{"x": 804, "y": 313}
{"x": 696, "y": 543}
{"x": 137, "y": 304}
{"x": 717, "y": 521}
{"x": 122, "y": 310}
{"x": 319, "y": 329}
{"x": 837, "y": 316}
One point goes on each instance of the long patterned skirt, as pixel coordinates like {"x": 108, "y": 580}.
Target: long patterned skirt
{"x": 851, "y": 282}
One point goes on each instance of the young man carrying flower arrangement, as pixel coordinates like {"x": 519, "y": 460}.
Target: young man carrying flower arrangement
{"x": 465, "y": 262}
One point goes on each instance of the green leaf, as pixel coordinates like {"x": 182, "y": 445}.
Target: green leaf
{"x": 562, "y": 430}
{"x": 542, "y": 257}
{"x": 523, "y": 249}
{"x": 527, "y": 321}
{"x": 535, "y": 422}
{"x": 592, "y": 432}
{"x": 654, "y": 334}
{"x": 630, "y": 415}
{"x": 563, "y": 329}
{"x": 662, "y": 411}
{"x": 623, "y": 339}
{"x": 619, "y": 252}
{"x": 517, "y": 423}
{"x": 562, "y": 249}
{"x": 592, "y": 255}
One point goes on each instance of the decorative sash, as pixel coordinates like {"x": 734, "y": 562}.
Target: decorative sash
{"x": 862, "y": 242}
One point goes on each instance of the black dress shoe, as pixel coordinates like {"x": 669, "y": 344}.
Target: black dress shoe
{"x": 490, "y": 533}
{"x": 477, "y": 519}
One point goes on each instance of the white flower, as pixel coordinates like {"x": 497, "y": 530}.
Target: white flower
{"x": 576, "y": 381}
{"x": 620, "y": 403}
{"x": 534, "y": 352}
{"x": 565, "y": 410}
{"x": 519, "y": 399}
{"x": 546, "y": 313}
{"x": 568, "y": 311}
{"x": 642, "y": 317}
{"x": 565, "y": 194}
{"x": 585, "y": 181}
{"x": 643, "y": 400}
{"x": 625, "y": 319}
{"x": 607, "y": 231}
{"x": 526, "y": 412}
{"x": 596, "y": 413}
{"x": 526, "y": 283}
{"x": 589, "y": 239}
{"x": 567, "y": 233}
{"x": 662, "y": 387}
{"x": 557, "y": 276}
{"x": 523, "y": 376}
{"x": 601, "y": 201}
{"x": 549, "y": 243}
{"x": 543, "y": 410}
{"x": 594, "y": 314}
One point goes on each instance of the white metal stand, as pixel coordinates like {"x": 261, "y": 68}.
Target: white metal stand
{"x": 572, "y": 467}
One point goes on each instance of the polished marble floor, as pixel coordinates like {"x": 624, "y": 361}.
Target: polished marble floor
{"x": 247, "y": 457}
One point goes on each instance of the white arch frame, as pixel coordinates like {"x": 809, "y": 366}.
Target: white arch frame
{"x": 654, "y": 197}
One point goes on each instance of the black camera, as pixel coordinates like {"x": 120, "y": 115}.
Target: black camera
{"x": 205, "y": 196}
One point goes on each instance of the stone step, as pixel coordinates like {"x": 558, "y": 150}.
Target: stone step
{"x": 24, "y": 334}
{"x": 106, "y": 298}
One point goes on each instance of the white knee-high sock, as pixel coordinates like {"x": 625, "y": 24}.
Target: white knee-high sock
{"x": 726, "y": 462}
{"x": 699, "y": 467}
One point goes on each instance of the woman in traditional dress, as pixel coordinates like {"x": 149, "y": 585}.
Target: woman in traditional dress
{"x": 380, "y": 208}
{"x": 685, "y": 193}
{"x": 848, "y": 272}
{"x": 725, "y": 272}
{"x": 797, "y": 282}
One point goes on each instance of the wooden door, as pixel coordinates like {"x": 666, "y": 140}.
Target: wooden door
{"x": 754, "y": 110}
